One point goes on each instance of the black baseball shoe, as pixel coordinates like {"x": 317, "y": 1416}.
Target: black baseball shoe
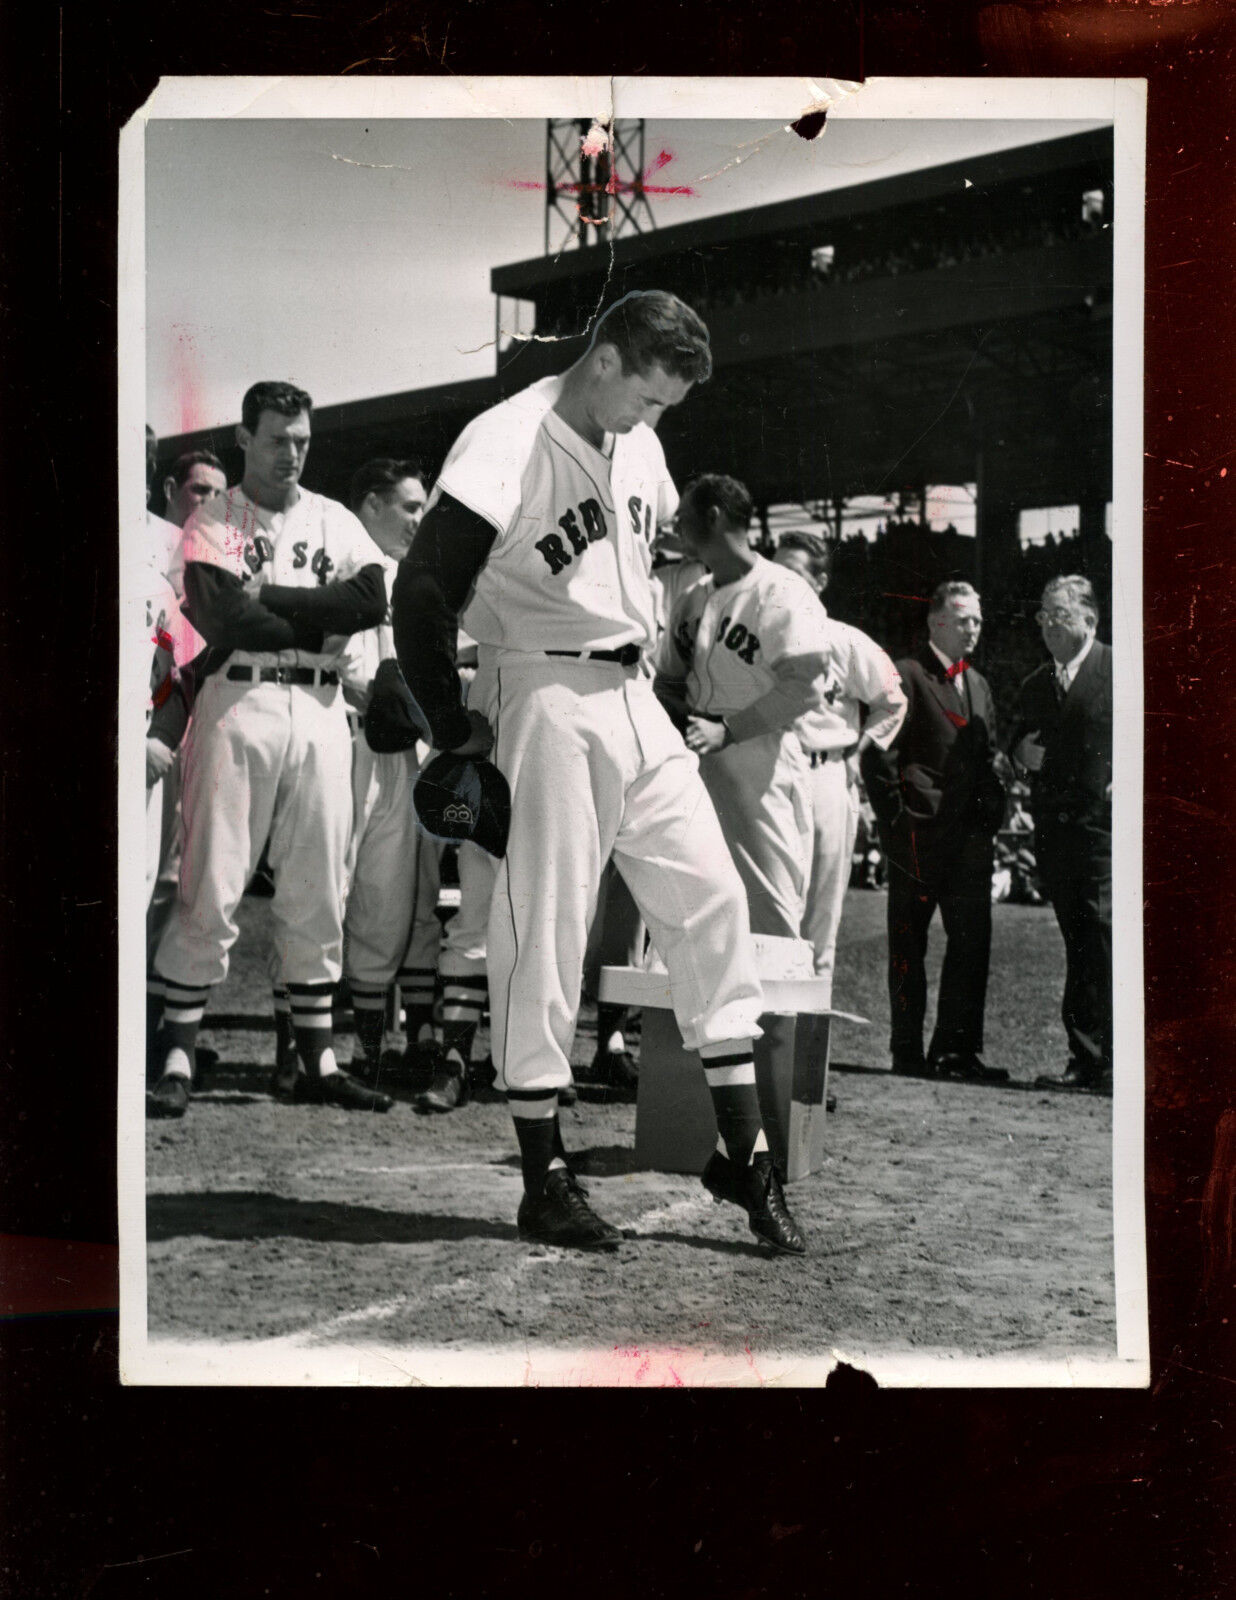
{"x": 562, "y": 1216}
{"x": 421, "y": 1063}
{"x": 968, "y": 1069}
{"x": 289, "y": 1082}
{"x": 757, "y": 1189}
{"x": 482, "y": 1075}
{"x": 615, "y": 1069}
{"x": 448, "y": 1087}
{"x": 341, "y": 1089}
{"x": 169, "y": 1097}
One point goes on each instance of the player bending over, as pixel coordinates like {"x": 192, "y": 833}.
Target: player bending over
{"x": 539, "y": 531}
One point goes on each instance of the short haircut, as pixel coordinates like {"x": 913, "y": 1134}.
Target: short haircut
{"x": 283, "y": 398}
{"x": 954, "y": 589}
{"x": 817, "y": 550}
{"x": 730, "y": 497}
{"x": 184, "y": 465}
{"x": 1077, "y": 591}
{"x": 650, "y": 327}
{"x": 382, "y": 475}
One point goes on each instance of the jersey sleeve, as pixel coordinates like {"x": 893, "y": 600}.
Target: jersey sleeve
{"x": 215, "y": 536}
{"x": 672, "y": 659}
{"x": 667, "y": 493}
{"x": 871, "y": 678}
{"x": 350, "y": 546}
{"x": 484, "y": 470}
{"x": 795, "y": 645}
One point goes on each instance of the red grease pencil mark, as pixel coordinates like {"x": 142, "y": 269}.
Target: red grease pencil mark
{"x": 162, "y": 692}
{"x": 187, "y": 380}
{"x": 635, "y": 186}
{"x": 891, "y": 594}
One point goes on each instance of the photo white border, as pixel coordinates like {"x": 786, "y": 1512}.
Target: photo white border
{"x": 284, "y": 1362}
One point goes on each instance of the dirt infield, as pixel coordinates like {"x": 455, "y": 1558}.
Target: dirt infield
{"x": 947, "y": 1217}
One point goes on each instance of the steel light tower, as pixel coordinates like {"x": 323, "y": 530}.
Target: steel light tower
{"x": 594, "y": 182}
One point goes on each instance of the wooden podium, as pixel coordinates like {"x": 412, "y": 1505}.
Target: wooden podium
{"x": 675, "y": 1130}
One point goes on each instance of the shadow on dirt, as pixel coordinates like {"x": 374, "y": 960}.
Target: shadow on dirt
{"x": 606, "y": 1161}
{"x": 248, "y": 1214}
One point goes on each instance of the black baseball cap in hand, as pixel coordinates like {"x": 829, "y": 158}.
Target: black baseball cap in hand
{"x": 464, "y": 797}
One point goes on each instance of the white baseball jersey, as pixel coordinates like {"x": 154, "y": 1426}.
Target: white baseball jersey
{"x": 859, "y": 674}
{"x": 174, "y": 639}
{"x": 267, "y": 758}
{"x": 756, "y": 653}
{"x": 594, "y": 764}
{"x": 316, "y": 541}
{"x": 760, "y": 646}
{"x": 364, "y": 652}
{"x": 670, "y": 583}
{"x": 569, "y": 569}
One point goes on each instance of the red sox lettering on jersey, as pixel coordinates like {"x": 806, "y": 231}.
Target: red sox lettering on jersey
{"x": 312, "y": 543}
{"x": 760, "y": 641}
{"x": 570, "y": 566}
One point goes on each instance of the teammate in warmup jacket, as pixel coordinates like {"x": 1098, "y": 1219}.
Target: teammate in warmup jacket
{"x": 539, "y": 530}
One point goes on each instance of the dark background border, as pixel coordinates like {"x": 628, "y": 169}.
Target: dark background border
{"x": 110, "y": 1492}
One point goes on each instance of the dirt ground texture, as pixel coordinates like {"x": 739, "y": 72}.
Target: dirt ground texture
{"x": 946, "y": 1217}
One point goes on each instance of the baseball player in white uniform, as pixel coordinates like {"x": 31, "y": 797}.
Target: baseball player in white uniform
{"x": 279, "y": 577}
{"x": 746, "y": 654}
{"x": 384, "y": 868}
{"x": 863, "y": 704}
{"x": 195, "y": 477}
{"x": 540, "y": 530}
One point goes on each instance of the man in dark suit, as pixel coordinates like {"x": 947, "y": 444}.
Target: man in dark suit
{"x": 938, "y": 803}
{"x": 1063, "y": 738}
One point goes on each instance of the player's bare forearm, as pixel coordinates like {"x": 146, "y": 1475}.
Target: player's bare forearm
{"x": 348, "y": 605}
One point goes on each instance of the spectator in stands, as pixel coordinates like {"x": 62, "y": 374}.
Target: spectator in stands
{"x": 1063, "y": 738}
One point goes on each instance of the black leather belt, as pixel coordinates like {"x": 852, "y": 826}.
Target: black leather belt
{"x": 817, "y": 758}
{"x": 309, "y": 677}
{"x": 627, "y": 656}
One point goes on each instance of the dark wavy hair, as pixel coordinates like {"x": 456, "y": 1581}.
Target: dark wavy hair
{"x": 382, "y": 476}
{"x": 284, "y": 398}
{"x": 731, "y": 498}
{"x": 184, "y": 465}
{"x": 650, "y": 327}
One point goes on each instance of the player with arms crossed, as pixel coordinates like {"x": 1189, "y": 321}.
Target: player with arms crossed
{"x": 278, "y": 578}
{"x": 540, "y": 531}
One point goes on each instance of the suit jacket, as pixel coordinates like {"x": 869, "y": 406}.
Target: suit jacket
{"x": 1072, "y": 784}
{"x": 940, "y": 769}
